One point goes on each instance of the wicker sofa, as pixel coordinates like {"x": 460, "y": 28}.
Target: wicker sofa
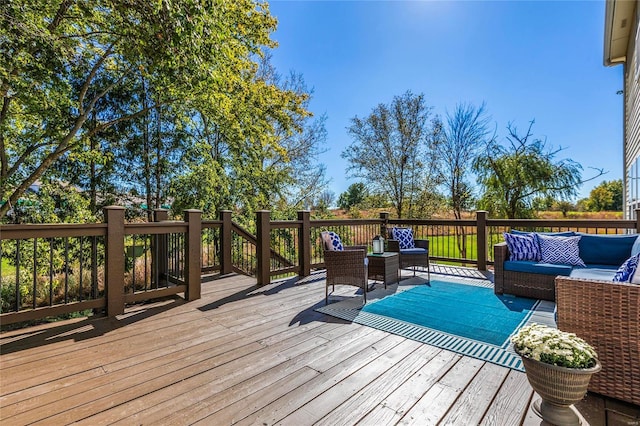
{"x": 603, "y": 255}
{"x": 607, "y": 315}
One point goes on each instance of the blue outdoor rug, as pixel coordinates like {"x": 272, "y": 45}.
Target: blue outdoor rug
{"x": 461, "y": 315}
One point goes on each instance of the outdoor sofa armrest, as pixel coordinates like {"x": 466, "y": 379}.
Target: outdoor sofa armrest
{"x": 352, "y": 248}
{"x": 607, "y": 315}
{"x": 500, "y": 254}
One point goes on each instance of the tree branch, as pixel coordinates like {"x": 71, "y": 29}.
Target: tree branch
{"x": 90, "y": 77}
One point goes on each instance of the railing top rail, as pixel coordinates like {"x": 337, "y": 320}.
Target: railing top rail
{"x": 281, "y": 224}
{"x": 48, "y": 230}
{"x": 211, "y": 223}
{"x": 445, "y": 222}
{"x": 564, "y": 223}
{"x": 164, "y": 227}
{"x": 243, "y": 233}
{"x": 338, "y": 222}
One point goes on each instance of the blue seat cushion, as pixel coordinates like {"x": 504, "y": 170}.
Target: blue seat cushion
{"x": 537, "y": 267}
{"x": 416, "y": 250}
{"x": 604, "y": 274}
{"x": 605, "y": 249}
{"x": 596, "y": 266}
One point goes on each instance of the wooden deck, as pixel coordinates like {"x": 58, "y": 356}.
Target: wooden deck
{"x": 250, "y": 355}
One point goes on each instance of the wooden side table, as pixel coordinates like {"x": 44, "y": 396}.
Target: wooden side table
{"x": 384, "y": 266}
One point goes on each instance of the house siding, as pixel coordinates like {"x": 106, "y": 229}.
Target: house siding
{"x": 632, "y": 119}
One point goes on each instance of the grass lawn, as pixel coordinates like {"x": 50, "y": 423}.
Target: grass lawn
{"x": 447, "y": 246}
{"x": 7, "y": 268}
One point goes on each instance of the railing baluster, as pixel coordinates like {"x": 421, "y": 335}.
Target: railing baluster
{"x": 17, "y": 275}
{"x": 146, "y": 261}
{"x": 133, "y": 264}
{"x": 51, "y": 271}
{"x": 66, "y": 269}
{"x": 81, "y": 254}
{"x": 94, "y": 267}
{"x": 35, "y": 271}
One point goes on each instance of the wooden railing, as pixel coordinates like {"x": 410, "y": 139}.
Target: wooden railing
{"x": 55, "y": 269}
{"x": 461, "y": 242}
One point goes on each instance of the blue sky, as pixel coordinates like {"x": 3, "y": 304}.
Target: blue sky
{"x": 526, "y": 60}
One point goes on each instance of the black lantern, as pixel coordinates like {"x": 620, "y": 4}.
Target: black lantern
{"x": 378, "y": 245}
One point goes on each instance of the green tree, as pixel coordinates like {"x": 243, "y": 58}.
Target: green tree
{"x": 563, "y": 206}
{"x": 513, "y": 176}
{"x": 607, "y": 196}
{"x": 389, "y": 148}
{"x": 355, "y": 194}
{"x": 325, "y": 199}
{"x": 224, "y": 169}
{"x": 52, "y": 201}
{"x": 60, "y": 60}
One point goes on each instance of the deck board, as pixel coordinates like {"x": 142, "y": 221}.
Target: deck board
{"x": 248, "y": 355}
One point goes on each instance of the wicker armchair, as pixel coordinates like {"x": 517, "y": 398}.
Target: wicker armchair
{"x": 408, "y": 258}
{"x": 607, "y": 316}
{"x": 346, "y": 267}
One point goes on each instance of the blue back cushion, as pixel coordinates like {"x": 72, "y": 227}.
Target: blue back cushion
{"x": 605, "y": 249}
{"x": 404, "y": 237}
{"x": 522, "y": 247}
{"x": 553, "y": 234}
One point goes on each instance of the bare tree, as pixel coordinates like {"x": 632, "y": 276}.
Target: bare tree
{"x": 457, "y": 143}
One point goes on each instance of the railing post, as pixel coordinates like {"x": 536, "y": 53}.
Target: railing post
{"x": 304, "y": 243}
{"x": 263, "y": 247}
{"x": 383, "y": 226}
{"x": 481, "y": 232}
{"x": 114, "y": 260}
{"x": 160, "y": 249}
{"x": 226, "y": 262}
{"x": 193, "y": 253}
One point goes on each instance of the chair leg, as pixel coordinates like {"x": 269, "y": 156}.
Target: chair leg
{"x": 326, "y": 294}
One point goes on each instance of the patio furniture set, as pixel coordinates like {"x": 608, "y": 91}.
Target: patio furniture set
{"x": 351, "y": 265}
{"x": 596, "y": 293}
{"x": 582, "y": 277}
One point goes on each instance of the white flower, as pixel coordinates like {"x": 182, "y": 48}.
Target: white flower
{"x": 554, "y": 346}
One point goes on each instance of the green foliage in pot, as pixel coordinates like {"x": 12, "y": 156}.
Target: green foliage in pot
{"x": 553, "y": 346}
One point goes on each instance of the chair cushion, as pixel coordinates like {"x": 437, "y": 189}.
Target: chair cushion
{"x": 628, "y": 271}
{"x": 560, "y": 250}
{"x": 404, "y": 237}
{"x": 522, "y": 247}
{"x": 331, "y": 241}
{"x": 603, "y": 274}
{"x": 416, "y": 250}
{"x": 606, "y": 249}
{"x": 635, "y": 249}
{"x": 537, "y": 268}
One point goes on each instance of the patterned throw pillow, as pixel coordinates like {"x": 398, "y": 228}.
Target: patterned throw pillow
{"x": 522, "y": 247}
{"x": 404, "y": 237}
{"x": 560, "y": 250}
{"x": 332, "y": 241}
{"x": 627, "y": 272}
